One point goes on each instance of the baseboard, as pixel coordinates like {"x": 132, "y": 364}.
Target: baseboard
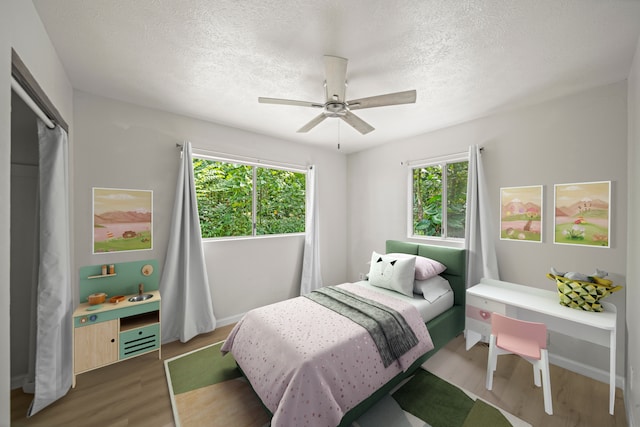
{"x": 586, "y": 370}
{"x": 630, "y": 413}
{"x": 17, "y": 381}
{"x": 219, "y": 322}
{"x": 582, "y": 369}
{"x": 630, "y": 407}
{"x": 229, "y": 320}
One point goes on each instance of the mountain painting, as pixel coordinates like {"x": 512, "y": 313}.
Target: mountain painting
{"x": 582, "y": 214}
{"x": 521, "y": 213}
{"x": 122, "y": 220}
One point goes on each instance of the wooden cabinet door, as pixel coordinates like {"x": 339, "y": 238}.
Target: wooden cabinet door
{"x": 95, "y": 345}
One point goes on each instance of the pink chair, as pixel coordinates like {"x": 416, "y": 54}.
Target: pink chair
{"x": 526, "y": 339}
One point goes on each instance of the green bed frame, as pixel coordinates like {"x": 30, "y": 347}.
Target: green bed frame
{"x": 442, "y": 328}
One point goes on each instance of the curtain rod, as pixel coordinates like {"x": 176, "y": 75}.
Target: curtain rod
{"x": 437, "y": 158}
{"x": 251, "y": 160}
{"x": 34, "y": 107}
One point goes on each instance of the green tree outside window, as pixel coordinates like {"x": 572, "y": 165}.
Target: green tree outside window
{"x": 429, "y": 218}
{"x": 226, "y": 193}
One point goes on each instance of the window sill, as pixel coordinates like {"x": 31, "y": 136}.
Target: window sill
{"x": 440, "y": 241}
{"x": 235, "y": 238}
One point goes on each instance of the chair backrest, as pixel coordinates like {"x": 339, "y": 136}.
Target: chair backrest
{"x": 506, "y": 325}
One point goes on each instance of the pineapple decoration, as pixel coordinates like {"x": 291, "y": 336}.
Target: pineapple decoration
{"x": 583, "y": 292}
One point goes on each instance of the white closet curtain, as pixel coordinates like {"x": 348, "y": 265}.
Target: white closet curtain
{"x": 187, "y": 309}
{"x": 479, "y": 238}
{"x": 29, "y": 382}
{"x": 311, "y": 274}
{"x": 53, "y": 369}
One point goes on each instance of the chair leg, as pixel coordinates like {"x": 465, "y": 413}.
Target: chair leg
{"x": 491, "y": 362}
{"x": 536, "y": 374}
{"x": 546, "y": 381}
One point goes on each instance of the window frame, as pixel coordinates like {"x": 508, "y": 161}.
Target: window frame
{"x": 441, "y": 161}
{"x": 254, "y": 196}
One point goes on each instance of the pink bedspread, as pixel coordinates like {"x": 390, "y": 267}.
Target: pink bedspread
{"x": 310, "y": 365}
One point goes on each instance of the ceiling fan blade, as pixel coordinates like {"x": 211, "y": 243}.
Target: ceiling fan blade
{"x": 407, "y": 97}
{"x": 359, "y": 124}
{"x": 289, "y": 102}
{"x": 335, "y": 74}
{"x": 313, "y": 123}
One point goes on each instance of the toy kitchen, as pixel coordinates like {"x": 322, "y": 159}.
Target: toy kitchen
{"x": 118, "y": 316}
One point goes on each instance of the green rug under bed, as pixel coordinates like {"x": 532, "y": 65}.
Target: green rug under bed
{"x": 425, "y": 400}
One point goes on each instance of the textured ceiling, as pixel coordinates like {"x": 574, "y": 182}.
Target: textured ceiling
{"x": 466, "y": 59}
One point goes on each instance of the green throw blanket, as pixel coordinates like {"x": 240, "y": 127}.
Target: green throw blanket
{"x": 389, "y": 330}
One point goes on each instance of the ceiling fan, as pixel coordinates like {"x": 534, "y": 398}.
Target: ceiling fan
{"x": 335, "y": 104}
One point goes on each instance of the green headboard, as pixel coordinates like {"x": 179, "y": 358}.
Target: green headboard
{"x": 454, "y": 258}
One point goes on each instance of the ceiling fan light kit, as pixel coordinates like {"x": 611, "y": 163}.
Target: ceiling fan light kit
{"x": 335, "y": 104}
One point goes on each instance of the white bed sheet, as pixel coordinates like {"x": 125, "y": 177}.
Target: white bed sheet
{"x": 426, "y": 309}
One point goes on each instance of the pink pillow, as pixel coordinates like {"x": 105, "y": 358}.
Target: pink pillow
{"x": 425, "y": 267}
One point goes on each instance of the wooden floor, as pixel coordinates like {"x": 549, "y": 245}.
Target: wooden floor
{"x": 577, "y": 400}
{"x": 134, "y": 392}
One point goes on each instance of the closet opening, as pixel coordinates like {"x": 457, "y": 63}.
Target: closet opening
{"x": 39, "y": 201}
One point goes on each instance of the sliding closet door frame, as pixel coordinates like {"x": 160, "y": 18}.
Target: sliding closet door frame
{"x": 23, "y": 76}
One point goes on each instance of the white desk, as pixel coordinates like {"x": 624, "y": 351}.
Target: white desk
{"x": 539, "y": 305}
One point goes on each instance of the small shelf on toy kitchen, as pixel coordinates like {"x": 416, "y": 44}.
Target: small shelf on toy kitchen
{"x": 102, "y": 276}
{"x": 124, "y": 280}
{"x": 139, "y": 320}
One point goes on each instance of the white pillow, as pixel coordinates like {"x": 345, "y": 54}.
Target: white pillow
{"x": 389, "y": 272}
{"x": 425, "y": 267}
{"x": 432, "y": 288}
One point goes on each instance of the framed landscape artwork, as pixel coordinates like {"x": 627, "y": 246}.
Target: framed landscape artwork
{"x": 582, "y": 214}
{"x": 122, "y": 220}
{"x": 521, "y": 213}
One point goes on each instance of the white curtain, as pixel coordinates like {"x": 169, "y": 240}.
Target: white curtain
{"x": 311, "y": 275}
{"x": 187, "y": 309}
{"x": 29, "y": 382}
{"x": 53, "y": 370}
{"x": 480, "y": 237}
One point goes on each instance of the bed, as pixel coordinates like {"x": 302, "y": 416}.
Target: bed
{"x": 278, "y": 352}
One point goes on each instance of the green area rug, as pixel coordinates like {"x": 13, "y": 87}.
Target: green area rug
{"x": 208, "y": 389}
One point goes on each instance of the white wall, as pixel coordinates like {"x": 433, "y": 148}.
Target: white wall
{"x": 632, "y": 390}
{"x": 573, "y": 139}
{"x": 5, "y": 213}
{"x": 120, "y": 145}
{"x": 31, "y": 41}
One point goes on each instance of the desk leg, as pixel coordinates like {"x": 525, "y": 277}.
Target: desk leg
{"x": 472, "y": 338}
{"x": 612, "y": 371}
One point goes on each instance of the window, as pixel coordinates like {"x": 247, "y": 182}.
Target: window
{"x": 439, "y": 199}
{"x": 238, "y": 200}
